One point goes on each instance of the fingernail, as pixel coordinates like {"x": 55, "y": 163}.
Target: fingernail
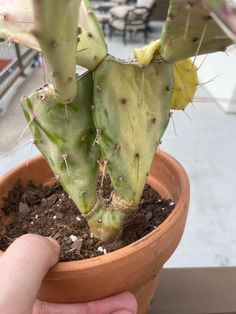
{"x": 55, "y": 245}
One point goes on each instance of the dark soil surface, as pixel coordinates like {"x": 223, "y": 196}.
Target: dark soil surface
{"x": 49, "y": 211}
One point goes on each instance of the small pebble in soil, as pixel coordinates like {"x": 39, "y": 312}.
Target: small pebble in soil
{"x": 102, "y": 250}
{"x": 73, "y": 238}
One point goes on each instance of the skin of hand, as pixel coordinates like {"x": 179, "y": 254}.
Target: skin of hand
{"x": 23, "y": 267}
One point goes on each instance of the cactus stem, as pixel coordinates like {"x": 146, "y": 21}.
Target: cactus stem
{"x": 200, "y": 43}
{"x": 25, "y": 129}
{"x": 65, "y": 156}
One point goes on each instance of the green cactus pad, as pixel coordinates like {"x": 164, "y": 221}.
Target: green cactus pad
{"x": 131, "y": 112}
{"x": 189, "y": 30}
{"x": 91, "y": 47}
{"x": 55, "y": 27}
{"x": 224, "y": 14}
{"x": 65, "y": 135}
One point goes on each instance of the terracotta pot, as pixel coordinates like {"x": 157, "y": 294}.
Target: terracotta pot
{"x": 135, "y": 268}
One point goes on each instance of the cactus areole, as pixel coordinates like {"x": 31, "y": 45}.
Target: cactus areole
{"x": 111, "y": 119}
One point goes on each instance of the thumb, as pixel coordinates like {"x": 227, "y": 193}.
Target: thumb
{"x": 23, "y": 267}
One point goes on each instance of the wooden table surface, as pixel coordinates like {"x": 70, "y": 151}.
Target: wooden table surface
{"x": 196, "y": 291}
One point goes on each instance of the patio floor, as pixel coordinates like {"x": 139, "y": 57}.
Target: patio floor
{"x": 205, "y": 146}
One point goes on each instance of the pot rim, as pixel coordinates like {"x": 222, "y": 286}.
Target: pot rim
{"x": 71, "y": 266}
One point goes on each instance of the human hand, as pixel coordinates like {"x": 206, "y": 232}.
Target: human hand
{"x": 23, "y": 267}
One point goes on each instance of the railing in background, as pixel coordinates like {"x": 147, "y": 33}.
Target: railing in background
{"x": 14, "y": 59}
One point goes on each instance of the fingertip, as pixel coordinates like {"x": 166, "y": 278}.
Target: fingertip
{"x": 23, "y": 266}
{"x": 55, "y": 245}
{"x": 34, "y": 244}
{"x": 130, "y": 300}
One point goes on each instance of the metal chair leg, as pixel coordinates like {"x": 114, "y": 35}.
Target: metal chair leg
{"x": 111, "y": 29}
{"x": 124, "y": 37}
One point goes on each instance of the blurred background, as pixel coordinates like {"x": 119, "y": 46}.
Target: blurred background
{"x": 202, "y": 138}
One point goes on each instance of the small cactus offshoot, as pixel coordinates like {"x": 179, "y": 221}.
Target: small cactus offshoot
{"x": 112, "y": 118}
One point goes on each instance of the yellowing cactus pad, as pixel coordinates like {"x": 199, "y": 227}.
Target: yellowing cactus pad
{"x": 145, "y": 54}
{"x": 185, "y": 84}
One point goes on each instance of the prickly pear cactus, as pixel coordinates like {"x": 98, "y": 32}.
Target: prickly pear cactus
{"x": 117, "y": 114}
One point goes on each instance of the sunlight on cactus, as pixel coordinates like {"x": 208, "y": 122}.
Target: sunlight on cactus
{"x": 116, "y": 113}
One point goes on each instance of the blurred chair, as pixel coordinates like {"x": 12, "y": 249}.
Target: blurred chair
{"x": 102, "y": 8}
{"x": 105, "y": 6}
{"x": 127, "y": 18}
{"x": 103, "y": 18}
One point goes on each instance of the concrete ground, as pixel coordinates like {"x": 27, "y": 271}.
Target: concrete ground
{"x": 204, "y": 144}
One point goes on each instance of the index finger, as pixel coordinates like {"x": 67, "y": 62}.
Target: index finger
{"x": 23, "y": 267}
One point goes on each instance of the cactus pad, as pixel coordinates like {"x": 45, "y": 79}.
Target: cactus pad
{"x": 189, "y": 30}
{"x": 131, "y": 112}
{"x": 185, "y": 84}
{"x": 65, "y": 134}
{"x": 91, "y": 48}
